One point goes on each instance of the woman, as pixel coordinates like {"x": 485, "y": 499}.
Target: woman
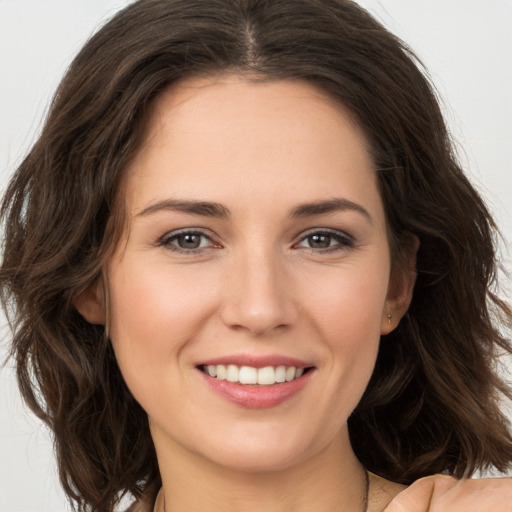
{"x": 245, "y": 270}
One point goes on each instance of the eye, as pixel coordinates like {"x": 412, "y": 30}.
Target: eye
{"x": 187, "y": 241}
{"x": 326, "y": 241}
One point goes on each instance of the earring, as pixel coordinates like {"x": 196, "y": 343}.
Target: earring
{"x": 389, "y": 318}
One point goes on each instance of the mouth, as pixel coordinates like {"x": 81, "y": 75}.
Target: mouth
{"x": 252, "y": 376}
{"x": 257, "y": 381}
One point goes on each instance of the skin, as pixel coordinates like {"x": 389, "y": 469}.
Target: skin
{"x": 440, "y": 493}
{"x": 255, "y": 285}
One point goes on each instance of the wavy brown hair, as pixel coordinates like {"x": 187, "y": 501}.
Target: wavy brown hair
{"x": 432, "y": 404}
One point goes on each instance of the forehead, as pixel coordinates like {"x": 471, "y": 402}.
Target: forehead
{"x": 217, "y": 136}
{"x": 235, "y": 96}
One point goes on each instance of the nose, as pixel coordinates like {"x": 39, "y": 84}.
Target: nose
{"x": 258, "y": 294}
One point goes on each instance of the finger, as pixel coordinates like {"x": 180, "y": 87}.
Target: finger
{"x": 440, "y": 493}
{"x": 475, "y": 495}
{"x": 418, "y": 497}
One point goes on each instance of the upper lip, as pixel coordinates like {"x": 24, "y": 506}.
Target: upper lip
{"x": 257, "y": 361}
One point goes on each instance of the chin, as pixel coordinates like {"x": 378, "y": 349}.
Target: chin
{"x": 268, "y": 449}
{"x": 258, "y": 461}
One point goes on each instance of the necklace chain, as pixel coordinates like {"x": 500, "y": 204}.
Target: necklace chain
{"x": 364, "y": 505}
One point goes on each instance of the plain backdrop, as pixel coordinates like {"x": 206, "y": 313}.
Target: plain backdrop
{"x": 466, "y": 45}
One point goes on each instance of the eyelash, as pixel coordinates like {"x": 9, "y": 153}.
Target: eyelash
{"x": 166, "y": 241}
{"x": 344, "y": 241}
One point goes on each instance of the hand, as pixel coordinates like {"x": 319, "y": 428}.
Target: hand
{"x": 440, "y": 493}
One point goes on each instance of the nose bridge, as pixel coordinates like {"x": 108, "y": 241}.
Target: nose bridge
{"x": 257, "y": 296}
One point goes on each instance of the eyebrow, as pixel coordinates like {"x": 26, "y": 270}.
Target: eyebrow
{"x": 329, "y": 206}
{"x": 217, "y": 210}
{"x": 205, "y": 208}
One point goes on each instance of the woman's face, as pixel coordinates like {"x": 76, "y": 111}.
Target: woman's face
{"x": 257, "y": 239}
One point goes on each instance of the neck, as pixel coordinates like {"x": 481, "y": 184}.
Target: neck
{"x": 331, "y": 480}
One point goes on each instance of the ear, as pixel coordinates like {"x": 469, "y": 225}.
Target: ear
{"x": 401, "y": 285}
{"x": 91, "y": 303}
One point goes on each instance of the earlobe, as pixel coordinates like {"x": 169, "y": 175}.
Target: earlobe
{"x": 401, "y": 286}
{"x": 91, "y": 304}
{"x": 388, "y": 321}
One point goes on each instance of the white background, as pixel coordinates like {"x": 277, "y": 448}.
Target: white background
{"x": 466, "y": 44}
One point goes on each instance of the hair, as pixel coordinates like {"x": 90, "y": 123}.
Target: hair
{"x": 432, "y": 404}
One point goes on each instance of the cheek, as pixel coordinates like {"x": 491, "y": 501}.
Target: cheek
{"x": 348, "y": 305}
{"x": 155, "y": 304}
{"x": 347, "y": 313}
{"x": 154, "y": 315}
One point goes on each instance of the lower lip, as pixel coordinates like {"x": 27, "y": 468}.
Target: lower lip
{"x": 257, "y": 397}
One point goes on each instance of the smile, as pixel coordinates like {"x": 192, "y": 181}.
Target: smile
{"x": 264, "y": 385}
{"x": 248, "y": 375}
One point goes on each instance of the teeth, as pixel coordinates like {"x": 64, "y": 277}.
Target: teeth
{"x": 232, "y": 373}
{"x": 248, "y": 375}
{"x": 266, "y": 376}
{"x": 221, "y": 371}
{"x": 281, "y": 374}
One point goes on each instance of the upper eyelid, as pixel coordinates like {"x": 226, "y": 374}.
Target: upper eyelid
{"x": 185, "y": 231}
{"x": 328, "y": 231}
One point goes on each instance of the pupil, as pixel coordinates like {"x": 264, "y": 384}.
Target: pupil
{"x": 319, "y": 241}
{"x": 190, "y": 241}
